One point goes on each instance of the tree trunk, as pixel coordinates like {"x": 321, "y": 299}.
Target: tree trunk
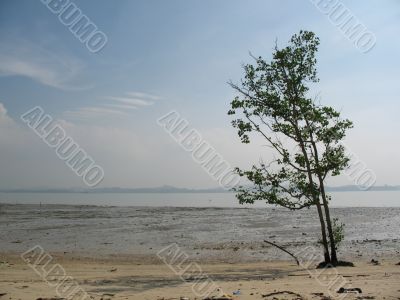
{"x": 315, "y": 197}
{"x": 334, "y": 259}
{"x": 323, "y": 233}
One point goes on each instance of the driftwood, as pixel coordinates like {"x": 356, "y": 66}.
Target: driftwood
{"x": 283, "y": 292}
{"x": 349, "y": 290}
{"x": 284, "y": 250}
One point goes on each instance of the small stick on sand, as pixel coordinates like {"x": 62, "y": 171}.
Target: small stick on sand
{"x": 284, "y": 250}
{"x": 283, "y": 292}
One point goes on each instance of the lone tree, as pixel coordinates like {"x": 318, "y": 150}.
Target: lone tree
{"x": 273, "y": 101}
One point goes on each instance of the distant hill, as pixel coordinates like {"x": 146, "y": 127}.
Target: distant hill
{"x": 161, "y": 189}
{"x": 354, "y": 188}
{"x": 172, "y": 189}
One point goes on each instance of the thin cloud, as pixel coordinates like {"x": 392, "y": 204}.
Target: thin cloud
{"x": 117, "y": 106}
{"x": 131, "y": 101}
{"x": 90, "y": 112}
{"x": 11, "y": 133}
{"x": 56, "y": 70}
{"x": 4, "y": 118}
{"x": 143, "y": 96}
{"x": 120, "y": 106}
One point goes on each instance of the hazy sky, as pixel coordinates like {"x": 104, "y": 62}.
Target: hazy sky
{"x": 178, "y": 55}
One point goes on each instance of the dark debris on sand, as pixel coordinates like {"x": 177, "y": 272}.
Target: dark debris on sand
{"x": 341, "y": 263}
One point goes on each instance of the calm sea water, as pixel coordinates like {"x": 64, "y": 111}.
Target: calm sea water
{"x": 339, "y": 199}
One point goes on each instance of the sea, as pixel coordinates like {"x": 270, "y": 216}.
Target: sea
{"x": 207, "y": 227}
{"x": 339, "y": 199}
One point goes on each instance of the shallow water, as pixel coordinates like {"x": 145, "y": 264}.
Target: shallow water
{"x": 229, "y": 234}
{"x": 339, "y": 199}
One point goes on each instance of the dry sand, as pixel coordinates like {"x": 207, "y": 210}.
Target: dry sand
{"x": 125, "y": 278}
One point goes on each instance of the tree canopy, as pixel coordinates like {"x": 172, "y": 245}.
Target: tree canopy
{"x": 274, "y": 101}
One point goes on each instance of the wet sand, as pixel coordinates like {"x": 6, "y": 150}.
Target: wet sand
{"x": 206, "y": 234}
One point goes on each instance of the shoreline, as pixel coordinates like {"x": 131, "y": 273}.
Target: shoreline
{"x": 267, "y": 206}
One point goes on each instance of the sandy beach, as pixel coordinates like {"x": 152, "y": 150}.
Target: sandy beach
{"x": 123, "y": 278}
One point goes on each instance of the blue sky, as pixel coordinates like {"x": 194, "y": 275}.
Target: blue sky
{"x": 164, "y": 55}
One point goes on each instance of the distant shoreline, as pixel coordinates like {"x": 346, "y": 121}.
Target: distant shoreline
{"x": 176, "y": 190}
